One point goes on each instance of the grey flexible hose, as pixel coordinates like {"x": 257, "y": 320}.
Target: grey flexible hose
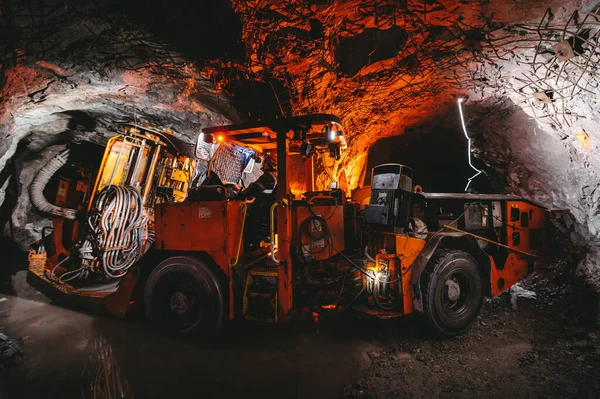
{"x": 36, "y": 191}
{"x": 120, "y": 228}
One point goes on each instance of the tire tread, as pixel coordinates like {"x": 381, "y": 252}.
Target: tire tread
{"x": 437, "y": 260}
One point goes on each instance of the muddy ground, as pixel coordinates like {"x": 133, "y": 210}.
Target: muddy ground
{"x": 544, "y": 348}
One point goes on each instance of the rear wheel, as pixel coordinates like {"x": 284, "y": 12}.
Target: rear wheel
{"x": 183, "y": 297}
{"x": 452, "y": 291}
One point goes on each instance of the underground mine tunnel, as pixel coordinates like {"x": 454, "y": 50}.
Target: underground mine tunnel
{"x": 255, "y": 198}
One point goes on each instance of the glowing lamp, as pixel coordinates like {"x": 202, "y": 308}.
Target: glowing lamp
{"x": 220, "y": 138}
{"x": 584, "y": 139}
{"x": 333, "y": 133}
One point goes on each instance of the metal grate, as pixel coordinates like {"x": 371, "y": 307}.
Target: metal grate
{"x": 228, "y": 163}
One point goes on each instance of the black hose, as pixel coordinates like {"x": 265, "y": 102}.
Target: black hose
{"x": 325, "y": 234}
{"x": 378, "y": 300}
{"x": 305, "y": 231}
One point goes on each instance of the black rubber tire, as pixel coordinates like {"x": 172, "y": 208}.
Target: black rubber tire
{"x": 184, "y": 297}
{"x": 454, "y": 267}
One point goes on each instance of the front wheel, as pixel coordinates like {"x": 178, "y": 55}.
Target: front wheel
{"x": 183, "y": 297}
{"x": 453, "y": 292}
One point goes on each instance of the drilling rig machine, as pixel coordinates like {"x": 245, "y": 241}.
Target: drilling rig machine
{"x": 198, "y": 236}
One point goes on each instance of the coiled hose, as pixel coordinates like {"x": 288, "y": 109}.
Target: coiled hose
{"x": 315, "y": 229}
{"x": 36, "y": 190}
{"x": 120, "y": 228}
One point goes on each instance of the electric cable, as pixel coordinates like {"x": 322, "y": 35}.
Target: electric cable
{"x": 365, "y": 272}
{"x": 464, "y": 126}
{"x": 376, "y": 295}
{"x": 51, "y": 275}
{"x": 325, "y": 235}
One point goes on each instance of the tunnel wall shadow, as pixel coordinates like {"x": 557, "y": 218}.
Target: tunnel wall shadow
{"x": 435, "y": 149}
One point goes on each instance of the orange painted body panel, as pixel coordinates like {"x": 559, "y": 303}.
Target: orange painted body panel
{"x": 517, "y": 265}
{"x": 58, "y": 224}
{"x": 407, "y": 249}
{"x": 115, "y": 303}
{"x": 514, "y": 270}
{"x": 403, "y": 251}
{"x": 334, "y": 217}
{"x": 213, "y": 227}
{"x": 199, "y": 226}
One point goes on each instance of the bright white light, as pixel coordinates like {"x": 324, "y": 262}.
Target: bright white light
{"x": 332, "y": 135}
{"x": 462, "y": 120}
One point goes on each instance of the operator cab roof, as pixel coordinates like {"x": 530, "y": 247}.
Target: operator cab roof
{"x": 183, "y": 147}
{"x": 264, "y": 134}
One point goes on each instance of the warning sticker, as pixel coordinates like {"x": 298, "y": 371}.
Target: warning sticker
{"x": 204, "y": 212}
{"x": 317, "y": 244}
{"x": 316, "y": 226}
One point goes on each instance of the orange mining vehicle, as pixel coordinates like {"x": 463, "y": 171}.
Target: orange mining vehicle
{"x": 198, "y": 236}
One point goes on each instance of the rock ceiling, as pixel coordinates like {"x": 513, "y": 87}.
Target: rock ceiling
{"x": 380, "y": 65}
{"x": 384, "y": 65}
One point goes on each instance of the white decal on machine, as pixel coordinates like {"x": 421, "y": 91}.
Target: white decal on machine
{"x": 204, "y": 212}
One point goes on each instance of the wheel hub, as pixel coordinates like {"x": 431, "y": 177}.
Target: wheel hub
{"x": 179, "y": 303}
{"x": 452, "y": 290}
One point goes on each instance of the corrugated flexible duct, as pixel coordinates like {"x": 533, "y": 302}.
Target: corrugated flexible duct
{"x": 36, "y": 191}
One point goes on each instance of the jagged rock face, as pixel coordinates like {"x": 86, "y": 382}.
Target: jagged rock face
{"x": 537, "y": 114}
{"x": 382, "y": 66}
{"x": 530, "y": 71}
{"x": 534, "y": 161}
{"x": 74, "y": 70}
{"x": 94, "y": 67}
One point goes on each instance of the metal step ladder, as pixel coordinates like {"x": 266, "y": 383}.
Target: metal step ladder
{"x": 261, "y": 301}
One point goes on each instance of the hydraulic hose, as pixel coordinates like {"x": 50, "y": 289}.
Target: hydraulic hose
{"x": 376, "y": 292}
{"x": 36, "y": 191}
{"x": 122, "y": 226}
{"x": 369, "y": 258}
{"x": 119, "y": 229}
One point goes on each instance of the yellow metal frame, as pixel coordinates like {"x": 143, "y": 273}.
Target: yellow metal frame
{"x": 133, "y": 138}
{"x": 264, "y": 273}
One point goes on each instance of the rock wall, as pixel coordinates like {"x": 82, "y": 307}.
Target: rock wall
{"x": 523, "y": 158}
{"x": 72, "y": 72}
{"x": 534, "y": 114}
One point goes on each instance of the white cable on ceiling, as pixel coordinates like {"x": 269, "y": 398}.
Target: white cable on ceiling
{"x": 462, "y": 120}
